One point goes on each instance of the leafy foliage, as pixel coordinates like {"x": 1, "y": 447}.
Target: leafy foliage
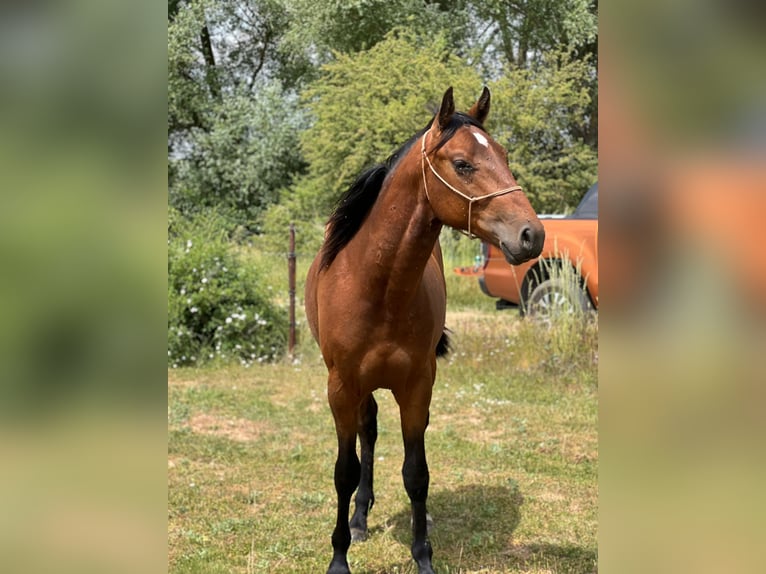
{"x": 357, "y": 25}
{"x": 365, "y": 105}
{"x": 518, "y": 33}
{"x": 240, "y": 164}
{"x": 216, "y": 306}
{"x": 544, "y": 108}
{"x": 233, "y": 119}
{"x": 224, "y": 47}
{"x": 188, "y": 93}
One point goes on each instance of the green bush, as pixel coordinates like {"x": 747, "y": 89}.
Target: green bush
{"x": 218, "y": 308}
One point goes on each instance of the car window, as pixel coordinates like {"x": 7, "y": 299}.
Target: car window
{"x": 588, "y": 208}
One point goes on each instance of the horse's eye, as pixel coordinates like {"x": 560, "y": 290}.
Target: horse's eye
{"x": 462, "y": 167}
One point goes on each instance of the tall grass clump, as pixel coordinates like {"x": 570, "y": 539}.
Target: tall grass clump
{"x": 218, "y": 307}
{"x": 560, "y": 317}
{"x": 562, "y": 345}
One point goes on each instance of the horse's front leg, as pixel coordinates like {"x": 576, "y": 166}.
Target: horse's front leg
{"x": 347, "y": 469}
{"x": 414, "y": 413}
{"x": 365, "y": 498}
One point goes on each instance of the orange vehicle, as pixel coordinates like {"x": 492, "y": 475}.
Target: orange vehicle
{"x": 563, "y": 278}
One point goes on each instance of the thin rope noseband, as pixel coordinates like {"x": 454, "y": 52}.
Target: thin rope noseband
{"x": 424, "y": 159}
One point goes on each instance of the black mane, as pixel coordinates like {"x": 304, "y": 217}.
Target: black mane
{"x": 355, "y": 204}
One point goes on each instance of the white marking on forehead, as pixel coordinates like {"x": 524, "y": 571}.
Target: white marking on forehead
{"x": 480, "y": 138}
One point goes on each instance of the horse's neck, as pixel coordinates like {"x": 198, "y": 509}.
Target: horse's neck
{"x": 401, "y": 232}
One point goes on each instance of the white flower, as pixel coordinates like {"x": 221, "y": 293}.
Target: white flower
{"x": 228, "y": 320}
{"x": 204, "y": 279}
{"x": 193, "y": 309}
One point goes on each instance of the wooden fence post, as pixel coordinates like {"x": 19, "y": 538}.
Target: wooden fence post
{"x": 291, "y": 289}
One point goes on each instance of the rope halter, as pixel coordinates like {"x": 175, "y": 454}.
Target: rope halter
{"x": 471, "y": 199}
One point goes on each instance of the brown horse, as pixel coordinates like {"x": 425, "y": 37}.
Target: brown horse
{"x": 376, "y": 296}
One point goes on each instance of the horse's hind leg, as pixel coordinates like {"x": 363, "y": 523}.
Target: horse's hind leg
{"x": 347, "y": 471}
{"x": 365, "y": 498}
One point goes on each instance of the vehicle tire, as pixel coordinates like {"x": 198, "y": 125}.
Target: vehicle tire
{"x": 555, "y": 297}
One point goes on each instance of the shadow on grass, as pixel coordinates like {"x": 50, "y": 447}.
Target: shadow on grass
{"x": 473, "y": 529}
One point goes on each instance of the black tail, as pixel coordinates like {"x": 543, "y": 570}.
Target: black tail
{"x": 444, "y": 346}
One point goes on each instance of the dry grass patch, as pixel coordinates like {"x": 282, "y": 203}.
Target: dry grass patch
{"x": 240, "y": 430}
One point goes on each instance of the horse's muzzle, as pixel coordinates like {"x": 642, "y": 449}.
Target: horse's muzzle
{"x": 528, "y": 244}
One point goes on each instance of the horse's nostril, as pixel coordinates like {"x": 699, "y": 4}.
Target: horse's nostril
{"x": 526, "y": 237}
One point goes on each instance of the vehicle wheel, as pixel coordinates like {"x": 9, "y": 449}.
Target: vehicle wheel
{"x": 555, "y": 297}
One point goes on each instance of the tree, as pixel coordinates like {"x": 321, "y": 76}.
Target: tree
{"x": 355, "y": 25}
{"x": 217, "y": 47}
{"x": 189, "y": 95}
{"x": 233, "y": 115}
{"x": 517, "y": 35}
{"x": 248, "y": 154}
{"x": 541, "y": 126}
{"x": 520, "y": 32}
{"x": 364, "y": 106}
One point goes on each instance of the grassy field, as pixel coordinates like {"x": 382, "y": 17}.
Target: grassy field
{"x": 512, "y": 449}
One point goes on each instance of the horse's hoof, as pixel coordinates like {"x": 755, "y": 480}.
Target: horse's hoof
{"x": 358, "y": 535}
{"x": 339, "y": 567}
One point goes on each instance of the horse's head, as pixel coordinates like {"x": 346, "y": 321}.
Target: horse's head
{"x": 469, "y": 185}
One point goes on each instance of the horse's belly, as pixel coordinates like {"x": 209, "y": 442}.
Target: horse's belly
{"x": 384, "y": 367}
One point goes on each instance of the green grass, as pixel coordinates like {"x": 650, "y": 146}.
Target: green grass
{"x": 512, "y": 449}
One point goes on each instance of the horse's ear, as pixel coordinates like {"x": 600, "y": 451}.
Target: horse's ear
{"x": 446, "y": 109}
{"x": 480, "y": 109}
